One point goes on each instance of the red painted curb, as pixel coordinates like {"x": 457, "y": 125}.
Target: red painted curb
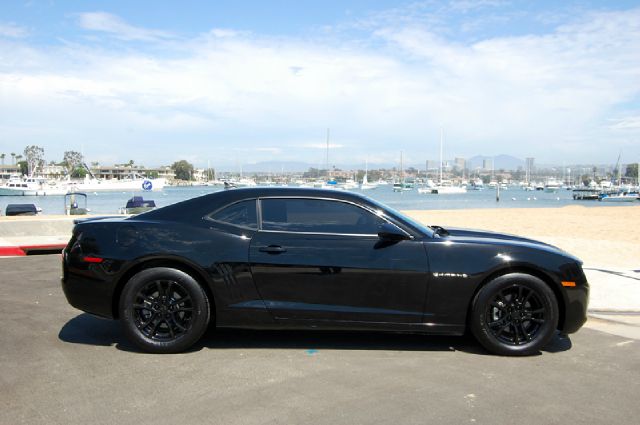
{"x": 11, "y": 251}
{"x": 43, "y": 247}
{"x": 21, "y": 251}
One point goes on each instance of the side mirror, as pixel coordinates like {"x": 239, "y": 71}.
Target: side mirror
{"x": 389, "y": 232}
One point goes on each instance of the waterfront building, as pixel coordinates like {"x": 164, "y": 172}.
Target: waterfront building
{"x": 7, "y": 170}
{"x": 109, "y": 172}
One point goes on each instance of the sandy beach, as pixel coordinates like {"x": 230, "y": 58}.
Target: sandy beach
{"x": 600, "y": 236}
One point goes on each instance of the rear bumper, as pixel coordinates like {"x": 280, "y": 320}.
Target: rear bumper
{"x": 85, "y": 288}
{"x": 87, "y": 295}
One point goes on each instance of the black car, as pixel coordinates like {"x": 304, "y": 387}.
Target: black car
{"x": 290, "y": 258}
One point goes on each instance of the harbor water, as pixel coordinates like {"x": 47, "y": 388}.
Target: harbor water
{"x": 514, "y": 197}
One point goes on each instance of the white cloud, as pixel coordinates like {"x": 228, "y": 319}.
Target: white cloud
{"x": 628, "y": 123}
{"x": 227, "y": 90}
{"x": 117, "y": 27}
{"x": 12, "y": 30}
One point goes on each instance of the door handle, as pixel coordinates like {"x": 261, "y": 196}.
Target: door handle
{"x": 272, "y": 249}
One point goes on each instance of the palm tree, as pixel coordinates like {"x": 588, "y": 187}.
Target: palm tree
{"x": 13, "y": 158}
{"x": 2, "y": 158}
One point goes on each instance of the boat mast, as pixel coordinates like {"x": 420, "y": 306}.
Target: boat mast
{"x": 365, "y": 179}
{"x": 426, "y": 172}
{"x": 327, "y": 158}
{"x": 441, "y": 136}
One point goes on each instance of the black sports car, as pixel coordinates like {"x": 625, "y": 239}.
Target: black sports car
{"x": 324, "y": 259}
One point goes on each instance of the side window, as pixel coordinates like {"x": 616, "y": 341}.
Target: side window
{"x": 317, "y": 216}
{"x": 242, "y": 214}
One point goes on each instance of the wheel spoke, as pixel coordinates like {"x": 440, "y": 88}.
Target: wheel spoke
{"x": 503, "y": 298}
{"x": 183, "y": 299}
{"x": 502, "y": 329}
{"x": 159, "y": 288}
{"x": 533, "y": 319}
{"x": 146, "y": 323}
{"x": 515, "y": 333}
{"x": 537, "y": 311}
{"x": 178, "y": 325}
{"x": 155, "y": 327}
{"x": 183, "y": 309}
{"x": 524, "y": 332}
{"x": 147, "y": 299}
{"x": 173, "y": 335}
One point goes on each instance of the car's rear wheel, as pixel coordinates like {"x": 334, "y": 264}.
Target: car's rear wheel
{"x": 514, "y": 314}
{"x": 164, "y": 310}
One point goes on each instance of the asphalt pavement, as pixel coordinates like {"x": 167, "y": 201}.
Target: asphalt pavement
{"x": 61, "y": 366}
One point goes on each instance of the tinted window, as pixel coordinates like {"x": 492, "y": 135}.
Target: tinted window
{"x": 318, "y": 216}
{"x": 239, "y": 214}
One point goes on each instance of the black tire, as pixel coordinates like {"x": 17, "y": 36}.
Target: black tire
{"x": 514, "y": 315}
{"x": 164, "y": 310}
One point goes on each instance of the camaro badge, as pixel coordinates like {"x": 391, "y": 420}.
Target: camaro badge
{"x": 462, "y": 275}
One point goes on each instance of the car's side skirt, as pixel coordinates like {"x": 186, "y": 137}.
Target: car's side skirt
{"x": 425, "y": 328}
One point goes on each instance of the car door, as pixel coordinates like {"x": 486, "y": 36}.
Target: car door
{"x": 321, "y": 259}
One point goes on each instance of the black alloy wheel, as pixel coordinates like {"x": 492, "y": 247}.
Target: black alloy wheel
{"x": 164, "y": 310}
{"x": 514, "y": 314}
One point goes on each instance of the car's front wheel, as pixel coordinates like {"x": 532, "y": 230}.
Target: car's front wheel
{"x": 164, "y": 310}
{"x": 514, "y": 314}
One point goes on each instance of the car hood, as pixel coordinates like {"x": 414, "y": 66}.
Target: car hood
{"x": 481, "y": 236}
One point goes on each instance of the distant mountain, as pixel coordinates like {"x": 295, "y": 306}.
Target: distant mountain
{"x": 506, "y": 162}
{"x": 275, "y": 167}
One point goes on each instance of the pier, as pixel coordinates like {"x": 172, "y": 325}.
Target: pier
{"x": 586, "y": 194}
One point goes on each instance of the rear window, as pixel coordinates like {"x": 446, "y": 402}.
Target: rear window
{"x": 241, "y": 214}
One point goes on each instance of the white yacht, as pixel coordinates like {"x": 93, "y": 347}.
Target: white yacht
{"x": 31, "y": 186}
{"x": 134, "y": 183}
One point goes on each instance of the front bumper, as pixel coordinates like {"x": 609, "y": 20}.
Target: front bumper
{"x": 577, "y": 302}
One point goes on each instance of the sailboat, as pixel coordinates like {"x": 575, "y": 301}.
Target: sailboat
{"x": 427, "y": 184}
{"x": 401, "y": 185}
{"x": 365, "y": 185}
{"x": 445, "y": 187}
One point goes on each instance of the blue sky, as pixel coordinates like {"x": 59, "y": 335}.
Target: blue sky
{"x": 240, "y": 82}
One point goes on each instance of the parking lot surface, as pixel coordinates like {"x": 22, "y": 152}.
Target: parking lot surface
{"x": 59, "y": 365}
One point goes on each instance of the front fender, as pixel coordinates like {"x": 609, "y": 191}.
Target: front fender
{"x": 459, "y": 269}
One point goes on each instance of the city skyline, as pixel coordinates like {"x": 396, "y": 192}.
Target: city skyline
{"x": 241, "y": 82}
